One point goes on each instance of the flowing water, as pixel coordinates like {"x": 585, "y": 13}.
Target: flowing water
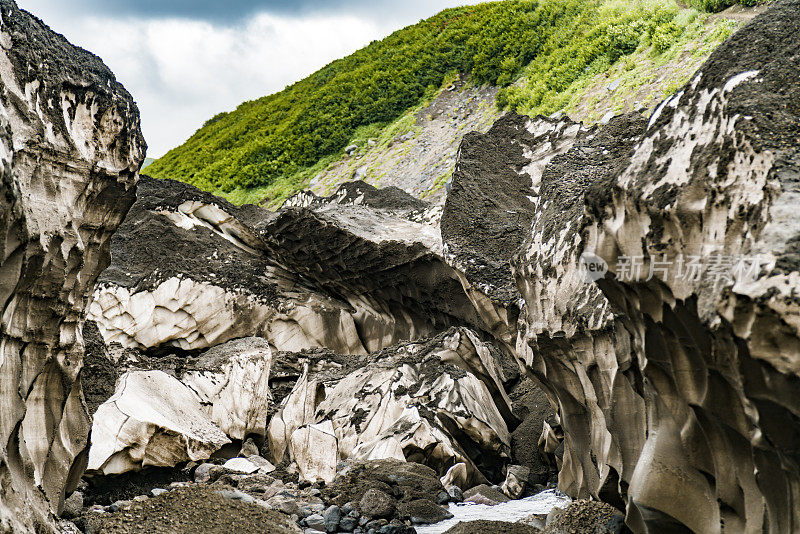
{"x": 511, "y": 511}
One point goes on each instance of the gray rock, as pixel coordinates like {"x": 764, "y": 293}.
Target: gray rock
{"x": 207, "y": 473}
{"x": 285, "y": 504}
{"x": 236, "y": 495}
{"x": 456, "y": 495}
{"x": 73, "y": 505}
{"x": 442, "y": 497}
{"x": 484, "y": 494}
{"x": 332, "y": 517}
{"x": 309, "y": 509}
{"x": 423, "y": 512}
{"x": 249, "y": 448}
{"x": 348, "y": 524}
{"x": 316, "y": 521}
{"x": 376, "y": 524}
{"x": 351, "y": 149}
{"x": 376, "y": 504}
{"x": 155, "y": 492}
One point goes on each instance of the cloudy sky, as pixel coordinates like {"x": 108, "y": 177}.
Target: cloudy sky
{"x": 186, "y": 60}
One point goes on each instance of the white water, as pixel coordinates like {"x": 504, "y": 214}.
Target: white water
{"x": 510, "y": 511}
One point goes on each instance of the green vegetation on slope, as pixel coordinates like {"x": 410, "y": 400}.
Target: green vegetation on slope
{"x": 270, "y": 147}
{"x": 624, "y": 41}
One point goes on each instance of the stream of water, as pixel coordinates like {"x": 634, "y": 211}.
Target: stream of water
{"x": 511, "y": 511}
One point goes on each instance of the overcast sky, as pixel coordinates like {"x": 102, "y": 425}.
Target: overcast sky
{"x": 186, "y": 60}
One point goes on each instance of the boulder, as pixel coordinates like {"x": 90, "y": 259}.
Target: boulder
{"x": 376, "y": 504}
{"x": 232, "y": 381}
{"x": 151, "y": 420}
{"x": 485, "y": 494}
{"x": 240, "y": 465}
{"x": 422, "y": 512}
{"x": 332, "y": 515}
{"x": 417, "y": 401}
{"x": 70, "y": 149}
{"x": 586, "y": 516}
{"x": 315, "y": 450}
{"x": 516, "y": 480}
{"x": 456, "y": 476}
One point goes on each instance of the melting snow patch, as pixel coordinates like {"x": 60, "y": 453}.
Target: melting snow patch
{"x": 511, "y": 511}
{"x": 739, "y": 78}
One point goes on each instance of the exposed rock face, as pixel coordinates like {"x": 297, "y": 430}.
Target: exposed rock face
{"x": 233, "y": 381}
{"x": 187, "y": 273}
{"x": 420, "y": 402}
{"x": 155, "y": 419}
{"x": 677, "y": 387}
{"x": 71, "y": 148}
{"x": 492, "y": 202}
{"x": 151, "y": 420}
{"x": 207, "y": 272}
{"x": 715, "y": 176}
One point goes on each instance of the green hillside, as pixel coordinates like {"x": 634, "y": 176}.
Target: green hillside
{"x": 538, "y": 50}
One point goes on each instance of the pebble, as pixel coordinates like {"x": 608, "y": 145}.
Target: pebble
{"x": 141, "y": 498}
{"x": 309, "y": 509}
{"x": 348, "y": 524}
{"x": 456, "y": 495}
{"x": 332, "y": 517}
{"x": 240, "y": 465}
{"x": 315, "y": 521}
{"x": 236, "y": 495}
{"x": 155, "y": 492}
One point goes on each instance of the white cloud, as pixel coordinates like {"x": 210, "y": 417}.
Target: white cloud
{"x": 182, "y": 72}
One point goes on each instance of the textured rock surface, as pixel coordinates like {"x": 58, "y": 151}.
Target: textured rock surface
{"x": 353, "y": 273}
{"x": 71, "y": 147}
{"x": 421, "y": 402}
{"x": 677, "y": 392}
{"x": 188, "y": 273}
{"x": 151, "y": 420}
{"x": 232, "y": 382}
{"x": 716, "y": 176}
{"x": 160, "y": 419}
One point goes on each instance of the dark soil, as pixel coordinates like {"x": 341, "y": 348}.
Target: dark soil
{"x": 487, "y": 214}
{"x": 98, "y": 376}
{"x": 584, "y": 516}
{"x": 405, "y": 481}
{"x": 108, "y": 489}
{"x": 494, "y": 527}
{"x": 531, "y": 405}
{"x": 192, "y": 510}
{"x": 148, "y": 248}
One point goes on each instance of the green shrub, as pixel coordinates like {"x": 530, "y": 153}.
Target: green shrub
{"x": 538, "y": 52}
{"x": 274, "y": 138}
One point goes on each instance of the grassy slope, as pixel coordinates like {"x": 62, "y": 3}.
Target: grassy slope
{"x": 573, "y": 52}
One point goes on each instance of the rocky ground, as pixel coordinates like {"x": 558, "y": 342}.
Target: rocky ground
{"x": 359, "y": 361}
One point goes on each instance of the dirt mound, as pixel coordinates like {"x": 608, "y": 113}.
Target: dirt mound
{"x": 496, "y": 527}
{"x": 189, "y": 511}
